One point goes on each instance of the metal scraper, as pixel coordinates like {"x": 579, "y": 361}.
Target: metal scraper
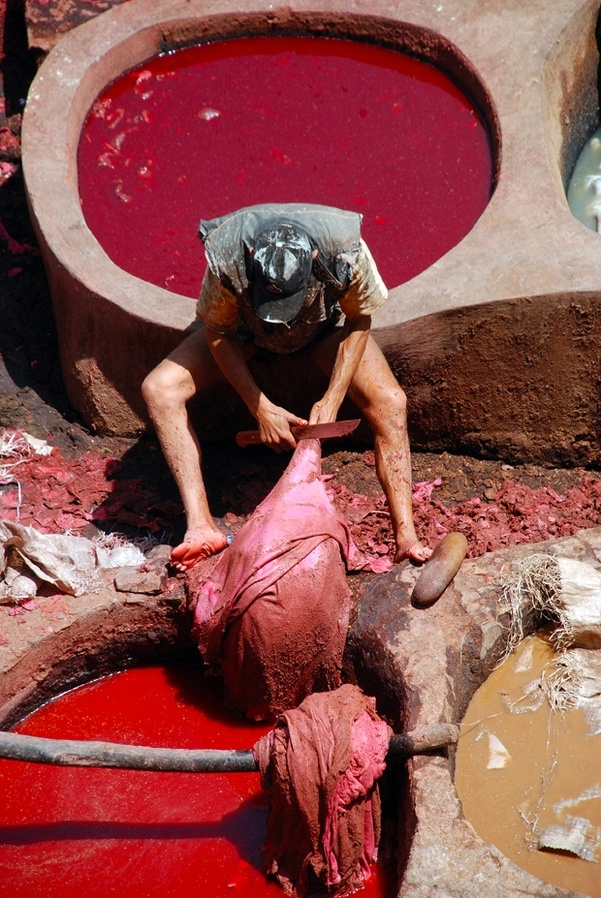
{"x": 305, "y": 432}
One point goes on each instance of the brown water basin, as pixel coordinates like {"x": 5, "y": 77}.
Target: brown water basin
{"x": 528, "y": 776}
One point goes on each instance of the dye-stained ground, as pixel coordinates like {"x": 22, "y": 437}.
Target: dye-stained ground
{"x": 121, "y": 484}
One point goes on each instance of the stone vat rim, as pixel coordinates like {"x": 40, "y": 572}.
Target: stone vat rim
{"x": 85, "y": 60}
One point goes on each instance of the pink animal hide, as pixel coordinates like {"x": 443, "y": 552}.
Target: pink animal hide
{"x": 273, "y": 614}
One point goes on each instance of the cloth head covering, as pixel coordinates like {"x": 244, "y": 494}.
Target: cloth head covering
{"x": 281, "y": 271}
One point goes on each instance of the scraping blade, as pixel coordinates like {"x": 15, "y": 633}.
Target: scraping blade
{"x": 325, "y": 431}
{"x": 305, "y": 432}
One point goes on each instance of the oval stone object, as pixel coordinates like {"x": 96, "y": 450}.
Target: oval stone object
{"x": 439, "y": 570}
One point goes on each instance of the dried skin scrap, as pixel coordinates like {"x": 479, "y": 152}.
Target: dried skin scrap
{"x": 577, "y": 836}
{"x": 273, "y": 614}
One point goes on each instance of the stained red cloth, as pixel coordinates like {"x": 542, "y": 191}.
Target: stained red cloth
{"x": 320, "y": 767}
{"x": 273, "y": 614}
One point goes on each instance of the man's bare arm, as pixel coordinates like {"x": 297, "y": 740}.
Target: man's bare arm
{"x": 273, "y": 421}
{"x": 349, "y": 354}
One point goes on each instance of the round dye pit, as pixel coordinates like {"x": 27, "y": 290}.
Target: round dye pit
{"x": 470, "y": 337}
{"x": 528, "y": 776}
{"x": 214, "y": 128}
{"x": 68, "y": 832}
{"x": 398, "y": 102}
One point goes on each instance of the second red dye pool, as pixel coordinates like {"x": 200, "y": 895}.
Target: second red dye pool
{"x": 206, "y": 130}
{"x": 73, "y": 832}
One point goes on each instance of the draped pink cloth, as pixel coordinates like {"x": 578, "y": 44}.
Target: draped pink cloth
{"x": 320, "y": 767}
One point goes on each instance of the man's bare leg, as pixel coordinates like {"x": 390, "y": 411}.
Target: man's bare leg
{"x": 379, "y": 397}
{"x": 166, "y": 391}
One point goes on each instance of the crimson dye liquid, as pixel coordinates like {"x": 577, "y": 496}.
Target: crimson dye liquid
{"x": 206, "y": 130}
{"x": 68, "y": 832}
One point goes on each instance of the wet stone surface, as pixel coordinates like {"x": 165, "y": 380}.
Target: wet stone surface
{"x": 441, "y": 656}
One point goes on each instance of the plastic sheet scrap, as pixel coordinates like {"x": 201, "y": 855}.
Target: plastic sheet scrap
{"x": 33, "y": 562}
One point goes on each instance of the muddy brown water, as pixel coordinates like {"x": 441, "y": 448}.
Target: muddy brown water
{"x": 522, "y": 767}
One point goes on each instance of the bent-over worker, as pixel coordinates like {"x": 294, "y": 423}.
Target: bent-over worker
{"x": 283, "y": 278}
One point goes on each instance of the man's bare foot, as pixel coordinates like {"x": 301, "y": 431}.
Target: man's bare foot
{"x": 198, "y": 543}
{"x": 415, "y": 552}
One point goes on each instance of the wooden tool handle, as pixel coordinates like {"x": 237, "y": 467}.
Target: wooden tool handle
{"x": 75, "y": 753}
{"x": 424, "y": 739}
{"x": 248, "y": 438}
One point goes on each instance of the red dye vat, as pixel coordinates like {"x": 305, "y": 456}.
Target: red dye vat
{"x": 73, "y": 832}
{"x": 210, "y": 129}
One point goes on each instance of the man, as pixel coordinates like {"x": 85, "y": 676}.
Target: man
{"x": 284, "y": 278}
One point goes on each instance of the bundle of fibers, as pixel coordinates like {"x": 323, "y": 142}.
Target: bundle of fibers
{"x": 574, "y": 681}
{"x": 273, "y": 614}
{"x": 567, "y": 592}
{"x": 563, "y": 590}
{"x": 320, "y": 767}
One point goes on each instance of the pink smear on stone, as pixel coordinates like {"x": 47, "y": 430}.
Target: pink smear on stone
{"x": 379, "y": 565}
{"x": 7, "y": 169}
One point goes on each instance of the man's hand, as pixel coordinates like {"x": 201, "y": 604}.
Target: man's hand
{"x": 274, "y": 425}
{"x": 323, "y": 412}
